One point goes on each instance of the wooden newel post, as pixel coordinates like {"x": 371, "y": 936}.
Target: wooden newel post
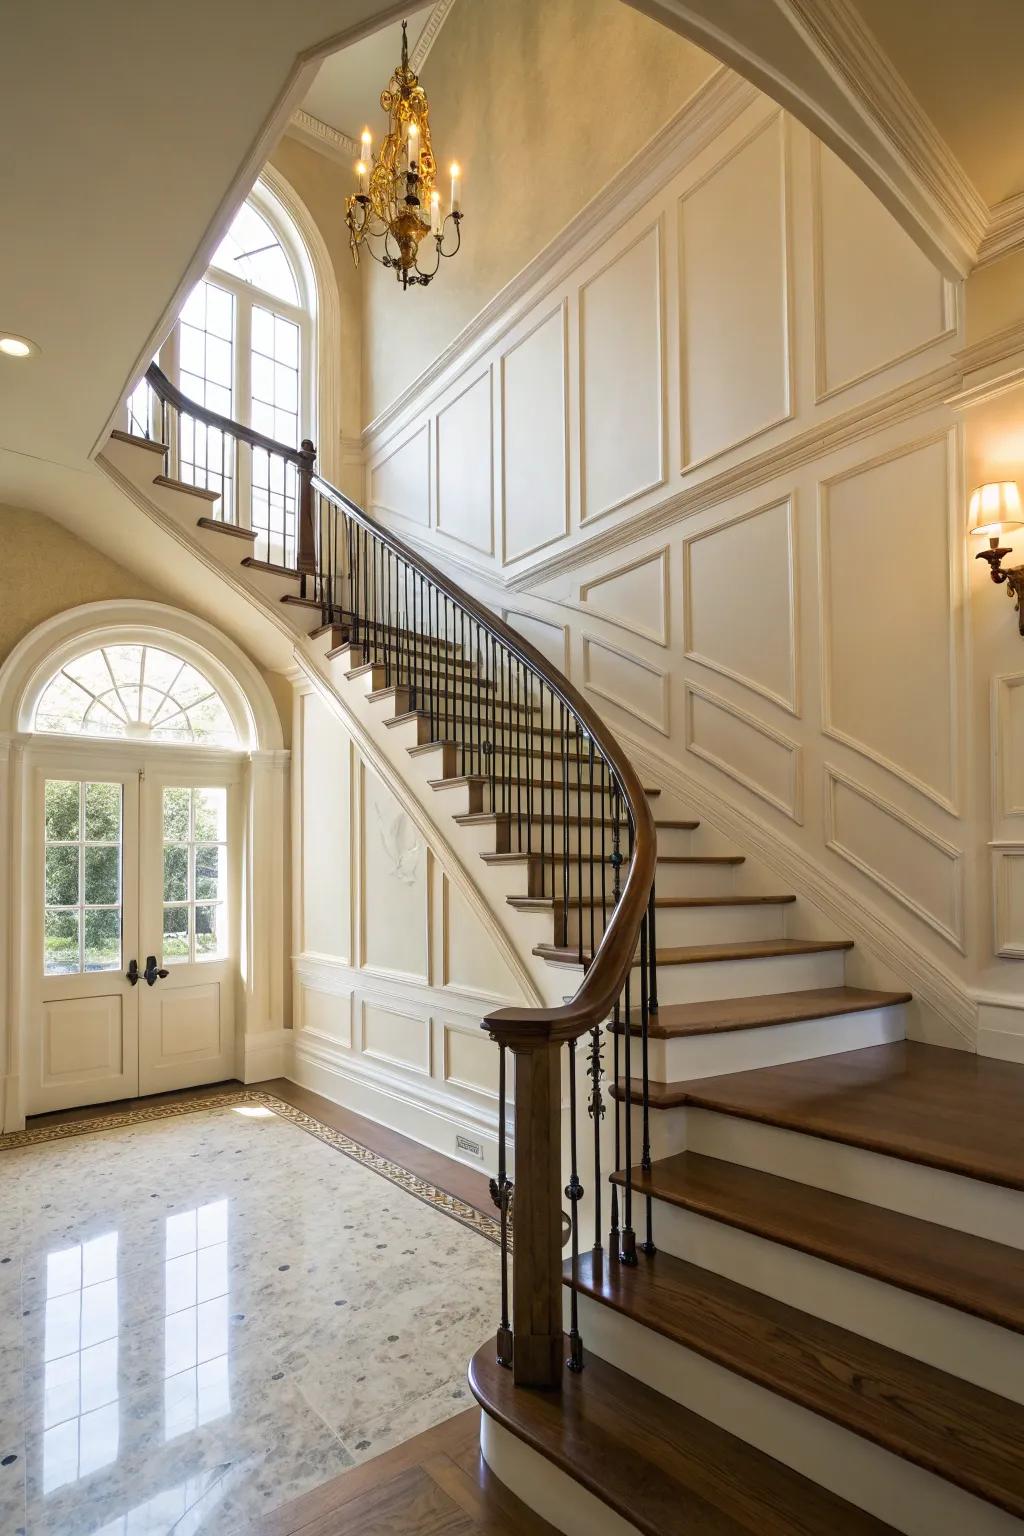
{"x": 306, "y": 559}
{"x": 538, "y": 1349}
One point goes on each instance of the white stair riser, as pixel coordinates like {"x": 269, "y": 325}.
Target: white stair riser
{"x": 913, "y": 1500}
{"x": 741, "y": 1050}
{"x": 703, "y": 982}
{"x": 272, "y": 588}
{"x": 522, "y": 837}
{"x": 673, "y": 880}
{"x": 968, "y": 1347}
{"x": 459, "y": 798}
{"x": 705, "y": 925}
{"x": 551, "y": 1493}
{"x": 931, "y": 1194}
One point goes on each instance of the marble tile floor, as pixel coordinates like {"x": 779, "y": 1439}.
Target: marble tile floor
{"x": 205, "y": 1316}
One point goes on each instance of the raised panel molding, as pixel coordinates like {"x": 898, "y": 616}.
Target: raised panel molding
{"x": 745, "y": 749}
{"x": 745, "y": 597}
{"x": 630, "y": 594}
{"x": 551, "y": 639}
{"x": 734, "y": 312}
{"x": 880, "y": 643}
{"x": 535, "y": 437}
{"x": 627, "y": 681}
{"x": 939, "y": 864}
{"x": 325, "y": 1013}
{"x": 470, "y": 967}
{"x": 867, "y": 256}
{"x": 400, "y": 480}
{"x": 1008, "y": 902}
{"x": 622, "y": 378}
{"x": 1008, "y": 745}
{"x": 394, "y": 885}
{"x": 470, "y": 1061}
{"x": 464, "y": 466}
{"x": 400, "y": 1038}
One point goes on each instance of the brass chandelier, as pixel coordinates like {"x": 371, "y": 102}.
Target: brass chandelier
{"x": 397, "y": 204}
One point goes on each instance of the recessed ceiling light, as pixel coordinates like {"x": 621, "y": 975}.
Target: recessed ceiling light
{"x": 17, "y": 346}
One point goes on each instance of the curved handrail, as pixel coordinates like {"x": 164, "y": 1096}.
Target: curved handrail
{"x": 611, "y": 962}
{"x": 606, "y": 974}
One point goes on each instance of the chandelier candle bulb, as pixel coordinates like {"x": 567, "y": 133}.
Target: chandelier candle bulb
{"x": 361, "y": 175}
{"x": 413, "y": 147}
{"x": 435, "y": 212}
{"x": 455, "y": 187}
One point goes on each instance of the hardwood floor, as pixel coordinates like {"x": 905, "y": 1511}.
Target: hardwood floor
{"x": 453, "y": 1177}
{"x": 434, "y": 1485}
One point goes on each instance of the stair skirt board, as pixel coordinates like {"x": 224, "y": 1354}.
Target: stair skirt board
{"x": 984, "y": 1353}
{"x": 914, "y": 1501}
{"x": 738, "y": 1050}
{"x": 545, "y": 1488}
{"x": 931, "y": 1194}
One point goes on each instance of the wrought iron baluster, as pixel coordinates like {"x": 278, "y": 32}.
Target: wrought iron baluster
{"x": 574, "y": 1193}
{"x": 501, "y": 1191}
{"x": 596, "y": 1110}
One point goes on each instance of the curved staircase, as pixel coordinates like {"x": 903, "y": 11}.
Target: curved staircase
{"x": 814, "y": 1322}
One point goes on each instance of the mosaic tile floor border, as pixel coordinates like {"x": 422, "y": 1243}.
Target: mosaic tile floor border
{"x": 450, "y": 1205}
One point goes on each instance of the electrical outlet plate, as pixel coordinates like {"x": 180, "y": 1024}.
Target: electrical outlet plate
{"x": 470, "y": 1148}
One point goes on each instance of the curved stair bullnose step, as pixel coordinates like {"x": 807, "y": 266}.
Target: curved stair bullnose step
{"x": 665, "y": 1470}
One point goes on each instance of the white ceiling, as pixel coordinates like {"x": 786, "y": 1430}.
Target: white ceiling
{"x": 346, "y": 91}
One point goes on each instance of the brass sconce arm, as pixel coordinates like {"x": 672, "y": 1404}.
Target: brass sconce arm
{"x": 1012, "y": 578}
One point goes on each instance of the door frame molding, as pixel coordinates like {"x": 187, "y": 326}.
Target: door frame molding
{"x": 263, "y": 988}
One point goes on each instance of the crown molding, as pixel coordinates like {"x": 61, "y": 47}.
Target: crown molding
{"x": 315, "y": 134}
{"x": 863, "y": 71}
{"x": 428, "y": 37}
{"x": 716, "y": 104}
{"x": 1005, "y": 232}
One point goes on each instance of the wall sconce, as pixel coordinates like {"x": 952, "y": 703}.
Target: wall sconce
{"x": 995, "y": 509}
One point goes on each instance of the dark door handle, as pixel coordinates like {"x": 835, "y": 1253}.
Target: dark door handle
{"x": 151, "y": 973}
{"x": 132, "y": 972}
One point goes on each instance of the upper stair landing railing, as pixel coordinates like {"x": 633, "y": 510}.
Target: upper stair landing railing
{"x": 561, "y": 791}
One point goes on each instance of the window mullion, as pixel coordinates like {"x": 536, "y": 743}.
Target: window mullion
{"x": 243, "y": 406}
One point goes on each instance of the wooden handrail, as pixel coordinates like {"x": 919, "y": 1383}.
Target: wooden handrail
{"x": 172, "y": 395}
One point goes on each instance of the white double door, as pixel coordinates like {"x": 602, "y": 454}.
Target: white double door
{"x": 132, "y": 937}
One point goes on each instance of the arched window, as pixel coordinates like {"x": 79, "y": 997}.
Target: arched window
{"x": 140, "y": 692}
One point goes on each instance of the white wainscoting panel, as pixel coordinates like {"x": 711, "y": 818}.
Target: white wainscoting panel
{"x": 1008, "y": 745}
{"x": 324, "y": 785}
{"x": 911, "y": 863}
{"x": 739, "y": 601}
{"x": 622, "y": 388}
{"x": 761, "y": 759}
{"x": 551, "y": 639}
{"x": 634, "y": 595}
{"x": 878, "y": 299}
{"x": 400, "y": 480}
{"x": 389, "y": 1034}
{"x": 470, "y": 1060}
{"x": 889, "y": 668}
{"x": 394, "y": 900}
{"x": 326, "y": 1014}
{"x": 470, "y": 964}
{"x": 734, "y": 261}
{"x": 627, "y": 681}
{"x": 465, "y": 467}
{"x": 1008, "y": 901}
{"x": 535, "y": 437}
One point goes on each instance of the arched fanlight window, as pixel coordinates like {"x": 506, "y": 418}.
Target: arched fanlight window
{"x": 140, "y": 692}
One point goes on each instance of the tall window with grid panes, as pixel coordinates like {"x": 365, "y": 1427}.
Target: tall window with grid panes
{"x": 244, "y": 347}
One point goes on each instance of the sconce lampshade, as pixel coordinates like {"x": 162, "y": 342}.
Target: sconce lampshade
{"x": 995, "y": 507}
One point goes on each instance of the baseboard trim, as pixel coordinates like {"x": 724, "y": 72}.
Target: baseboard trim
{"x": 266, "y": 1054}
{"x": 432, "y": 1119}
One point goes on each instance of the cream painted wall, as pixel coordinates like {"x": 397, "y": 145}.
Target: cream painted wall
{"x": 714, "y": 456}
{"x": 393, "y": 971}
{"x": 322, "y": 184}
{"x": 541, "y": 101}
{"x": 45, "y": 569}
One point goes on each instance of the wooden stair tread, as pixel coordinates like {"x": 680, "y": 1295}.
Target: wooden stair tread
{"x": 447, "y": 718}
{"x": 728, "y": 1013}
{"x": 955, "y": 1430}
{"x": 661, "y": 1467}
{"x": 944, "y": 1108}
{"x": 184, "y": 485}
{"x": 139, "y": 442}
{"x": 458, "y": 780}
{"x": 216, "y": 525}
{"x": 703, "y": 954}
{"x": 970, "y": 1273}
{"x": 663, "y": 858}
{"x": 268, "y": 565}
{"x": 553, "y": 903}
{"x": 449, "y": 741}
{"x": 481, "y": 818}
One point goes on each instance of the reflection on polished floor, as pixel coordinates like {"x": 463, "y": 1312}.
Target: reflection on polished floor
{"x": 204, "y": 1316}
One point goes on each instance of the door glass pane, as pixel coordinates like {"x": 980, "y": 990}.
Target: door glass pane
{"x": 82, "y": 870}
{"x": 195, "y": 854}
